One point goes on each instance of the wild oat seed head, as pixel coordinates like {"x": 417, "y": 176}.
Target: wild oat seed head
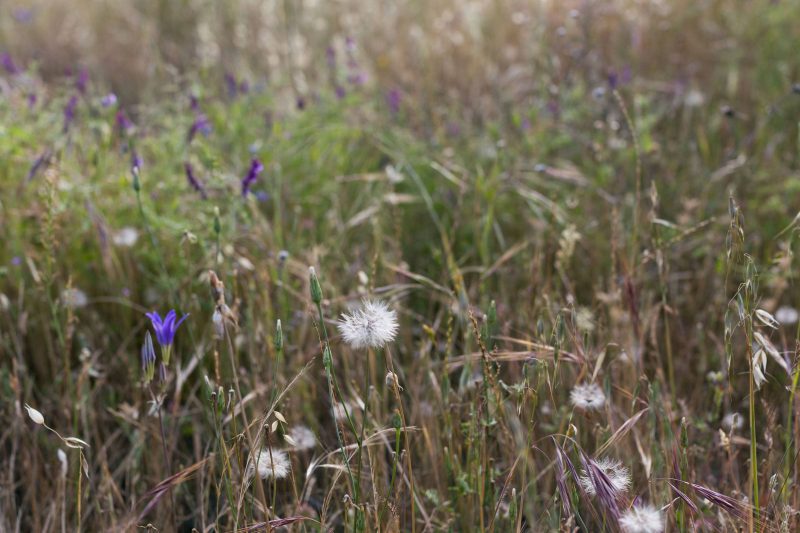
{"x": 35, "y": 415}
{"x": 618, "y": 475}
{"x": 271, "y": 464}
{"x": 372, "y": 326}
{"x": 642, "y": 519}
{"x": 587, "y": 396}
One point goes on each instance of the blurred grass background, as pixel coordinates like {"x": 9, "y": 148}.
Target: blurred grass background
{"x": 513, "y": 178}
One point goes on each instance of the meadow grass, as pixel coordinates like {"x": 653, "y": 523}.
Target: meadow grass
{"x": 480, "y": 267}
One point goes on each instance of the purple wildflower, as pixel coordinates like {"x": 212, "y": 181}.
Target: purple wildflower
{"x": 148, "y": 359}
{"x": 32, "y": 98}
{"x": 330, "y": 57}
{"x": 301, "y": 103}
{"x": 194, "y": 103}
{"x": 37, "y": 165}
{"x": 340, "y": 92}
{"x": 69, "y": 111}
{"x": 124, "y": 124}
{"x": 262, "y": 196}
{"x": 22, "y": 15}
{"x": 82, "y": 81}
{"x": 201, "y": 124}
{"x": 165, "y": 331}
{"x": 109, "y": 100}
{"x": 136, "y": 162}
{"x": 252, "y": 175}
{"x": 393, "y": 99}
{"x": 613, "y": 79}
{"x": 9, "y": 65}
{"x": 16, "y": 260}
{"x": 357, "y": 78}
{"x": 230, "y": 83}
{"x": 193, "y": 181}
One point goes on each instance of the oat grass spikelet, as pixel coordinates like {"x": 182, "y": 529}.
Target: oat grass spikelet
{"x": 372, "y": 326}
{"x": 642, "y": 519}
{"x": 587, "y": 396}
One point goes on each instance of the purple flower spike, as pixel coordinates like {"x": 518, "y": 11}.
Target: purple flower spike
{"x": 69, "y": 111}
{"x": 393, "y": 99}
{"x": 82, "y": 81}
{"x": 201, "y": 124}
{"x": 252, "y": 175}
{"x": 193, "y": 181}
{"x": 123, "y": 122}
{"x": 9, "y": 65}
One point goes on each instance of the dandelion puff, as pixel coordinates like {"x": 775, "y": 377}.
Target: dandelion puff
{"x": 787, "y": 315}
{"x": 587, "y": 396}
{"x": 339, "y": 412}
{"x": 732, "y": 421}
{"x": 74, "y": 298}
{"x": 372, "y": 326}
{"x": 642, "y": 519}
{"x": 270, "y": 464}
{"x": 126, "y": 237}
{"x": 618, "y": 475}
{"x": 303, "y": 438}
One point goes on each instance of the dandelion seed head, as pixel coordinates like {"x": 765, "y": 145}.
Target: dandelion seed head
{"x": 271, "y": 464}
{"x": 372, "y": 326}
{"x": 732, "y": 421}
{"x": 587, "y": 396}
{"x": 74, "y": 298}
{"x": 617, "y": 473}
{"x": 787, "y": 315}
{"x": 126, "y": 237}
{"x": 642, "y": 519}
{"x": 339, "y": 412}
{"x": 303, "y": 437}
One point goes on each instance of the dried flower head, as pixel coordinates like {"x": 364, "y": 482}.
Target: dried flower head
{"x": 618, "y": 476}
{"x": 271, "y": 464}
{"x": 642, "y": 519}
{"x": 372, "y": 326}
{"x": 587, "y": 396}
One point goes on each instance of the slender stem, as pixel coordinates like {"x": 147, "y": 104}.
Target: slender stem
{"x": 334, "y": 385}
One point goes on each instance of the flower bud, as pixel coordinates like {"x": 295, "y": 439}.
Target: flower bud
{"x": 316, "y": 288}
